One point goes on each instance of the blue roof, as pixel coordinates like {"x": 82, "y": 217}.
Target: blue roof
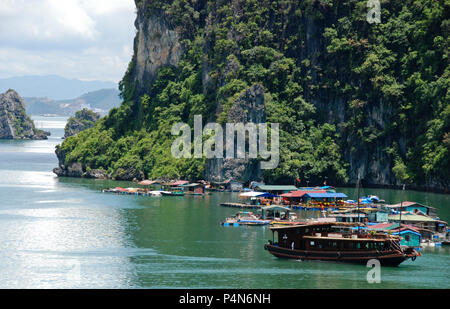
{"x": 408, "y": 231}
{"x": 326, "y": 195}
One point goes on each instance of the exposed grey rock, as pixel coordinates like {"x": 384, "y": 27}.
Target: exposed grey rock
{"x": 14, "y": 122}
{"x": 128, "y": 174}
{"x": 248, "y": 107}
{"x": 96, "y": 173}
{"x": 156, "y": 45}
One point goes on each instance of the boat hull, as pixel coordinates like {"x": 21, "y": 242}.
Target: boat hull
{"x": 172, "y": 194}
{"x": 388, "y": 258}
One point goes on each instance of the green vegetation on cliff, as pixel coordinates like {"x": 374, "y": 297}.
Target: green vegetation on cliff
{"x": 348, "y": 95}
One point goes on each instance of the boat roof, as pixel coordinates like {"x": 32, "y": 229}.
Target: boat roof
{"x": 251, "y": 194}
{"x": 326, "y": 195}
{"x": 408, "y": 204}
{"x": 275, "y": 207}
{"x": 346, "y": 239}
{"x": 317, "y": 224}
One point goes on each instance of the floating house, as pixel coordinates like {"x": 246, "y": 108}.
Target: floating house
{"x": 194, "y": 188}
{"x": 422, "y": 222}
{"x": 414, "y": 207}
{"x": 178, "y": 183}
{"x": 324, "y": 197}
{"x": 155, "y": 184}
{"x": 297, "y": 196}
{"x": 410, "y": 236}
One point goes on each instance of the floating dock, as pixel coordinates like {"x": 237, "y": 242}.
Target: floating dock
{"x": 240, "y": 205}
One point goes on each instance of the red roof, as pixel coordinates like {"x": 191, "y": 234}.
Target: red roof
{"x": 387, "y": 225}
{"x": 300, "y": 193}
{"x": 179, "y": 183}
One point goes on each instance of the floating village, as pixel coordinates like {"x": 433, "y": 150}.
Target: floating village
{"x": 342, "y": 230}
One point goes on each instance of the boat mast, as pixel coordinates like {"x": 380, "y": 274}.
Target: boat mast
{"x": 401, "y": 207}
{"x": 358, "y": 184}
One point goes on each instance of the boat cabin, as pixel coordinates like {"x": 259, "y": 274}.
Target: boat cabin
{"x": 329, "y": 236}
{"x": 350, "y": 217}
{"x": 275, "y": 212}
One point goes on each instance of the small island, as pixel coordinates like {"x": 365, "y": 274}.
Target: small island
{"x": 14, "y": 122}
{"x": 83, "y": 119}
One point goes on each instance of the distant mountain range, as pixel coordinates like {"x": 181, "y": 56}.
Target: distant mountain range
{"x": 56, "y": 95}
{"x": 100, "y": 101}
{"x": 52, "y": 86}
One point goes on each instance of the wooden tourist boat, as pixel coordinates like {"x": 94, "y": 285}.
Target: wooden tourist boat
{"x": 337, "y": 242}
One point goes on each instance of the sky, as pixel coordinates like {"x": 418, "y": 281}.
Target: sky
{"x": 82, "y": 39}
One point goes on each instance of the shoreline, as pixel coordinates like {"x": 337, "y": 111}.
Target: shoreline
{"x": 368, "y": 186}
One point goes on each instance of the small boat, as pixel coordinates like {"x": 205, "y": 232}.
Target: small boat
{"x": 245, "y": 218}
{"x": 337, "y": 242}
{"x": 172, "y": 193}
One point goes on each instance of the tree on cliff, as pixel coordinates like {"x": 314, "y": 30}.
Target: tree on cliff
{"x": 349, "y": 95}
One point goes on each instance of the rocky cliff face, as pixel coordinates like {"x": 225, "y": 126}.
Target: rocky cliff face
{"x": 14, "y": 122}
{"x": 247, "y": 108}
{"x": 353, "y": 99}
{"x": 156, "y": 44}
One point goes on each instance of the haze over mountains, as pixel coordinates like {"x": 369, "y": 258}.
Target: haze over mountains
{"x": 56, "y": 95}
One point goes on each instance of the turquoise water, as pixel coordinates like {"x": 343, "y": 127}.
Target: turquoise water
{"x": 65, "y": 233}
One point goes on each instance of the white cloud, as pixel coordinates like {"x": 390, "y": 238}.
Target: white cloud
{"x": 85, "y": 39}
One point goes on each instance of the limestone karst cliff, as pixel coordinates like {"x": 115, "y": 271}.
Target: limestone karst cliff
{"x": 14, "y": 122}
{"x": 353, "y": 99}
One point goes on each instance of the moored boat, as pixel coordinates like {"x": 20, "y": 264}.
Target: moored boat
{"x": 245, "y": 218}
{"x": 172, "y": 193}
{"x": 338, "y": 242}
